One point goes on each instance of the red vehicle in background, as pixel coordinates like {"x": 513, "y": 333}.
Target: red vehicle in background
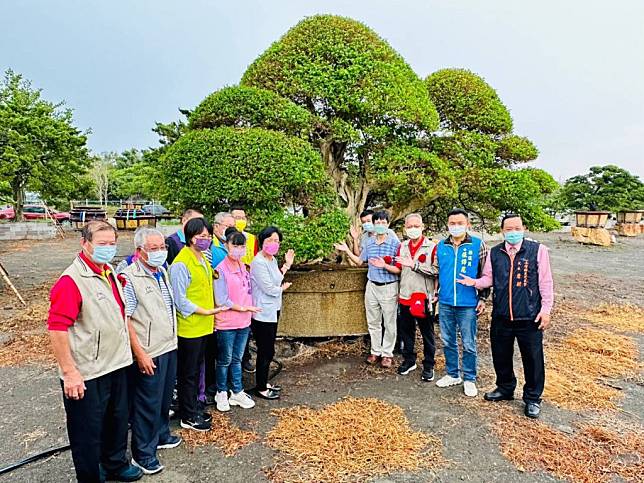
{"x": 34, "y": 212}
{"x": 7, "y": 213}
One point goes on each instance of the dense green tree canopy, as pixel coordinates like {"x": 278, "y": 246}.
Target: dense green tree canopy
{"x": 133, "y": 175}
{"x": 338, "y": 68}
{"x": 251, "y": 107}
{"x": 604, "y": 188}
{"x": 409, "y": 178}
{"x": 265, "y": 170}
{"x": 466, "y": 102}
{"x": 5, "y": 192}
{"x": 40, "y": 148}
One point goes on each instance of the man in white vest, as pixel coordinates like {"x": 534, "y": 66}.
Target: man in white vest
{"x": 152, "y": 324}
{"x": 90, "y": 340}
{"x": 417, "y": 282}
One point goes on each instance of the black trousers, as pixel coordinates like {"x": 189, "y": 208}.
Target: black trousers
{"x": 407, "y": 330}
{"x": 97, "y": 426}
{"x": 151, "y": 397}
{"x": 503, "y": 332}
{"x": 246, "y": 356}
{"x": 189, "y": 356}
{"x": 211, "y": 364}
{"x": 264, "y": 333}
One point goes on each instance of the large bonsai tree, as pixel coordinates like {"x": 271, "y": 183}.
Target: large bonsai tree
{"x": 331, "y": 120}
{"x": 603, "y": 188}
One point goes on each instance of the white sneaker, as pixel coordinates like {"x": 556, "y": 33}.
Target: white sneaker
{"x": 221, "y": 400}
{"x": 241, "y": 399}
{"x": 447, "y": 381}
{"x": 469, "y": 387}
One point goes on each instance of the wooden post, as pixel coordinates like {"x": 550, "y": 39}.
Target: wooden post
{"x": 5, "y": 276}
{"x": 49, "y": 214}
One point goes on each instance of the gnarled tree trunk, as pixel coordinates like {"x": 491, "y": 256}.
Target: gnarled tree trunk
{"x": 353, "y": 192}
{"x": 18, "y": 190}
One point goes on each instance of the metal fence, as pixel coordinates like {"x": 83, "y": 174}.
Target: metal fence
{"x": 90, "y": 202}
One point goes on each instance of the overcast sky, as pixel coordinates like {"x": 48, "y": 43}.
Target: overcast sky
{"x": 570, "y": 71}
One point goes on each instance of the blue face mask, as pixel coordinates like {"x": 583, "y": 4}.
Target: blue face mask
{"x": 368, "y": 227}
{"x": 103, "y": 253}
{"x": 380, "y": 229}
{"x": 513, "y": 237}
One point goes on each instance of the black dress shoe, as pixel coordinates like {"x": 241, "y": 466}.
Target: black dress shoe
{"x": 532, "y": 410}
{"x": 497, "y": 395}
{"x": 270, "y": 394}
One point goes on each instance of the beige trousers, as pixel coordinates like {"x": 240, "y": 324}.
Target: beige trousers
{"x": 381, "y": 304}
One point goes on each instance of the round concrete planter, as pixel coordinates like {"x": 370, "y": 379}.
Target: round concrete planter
{"x": 324, "y": 301}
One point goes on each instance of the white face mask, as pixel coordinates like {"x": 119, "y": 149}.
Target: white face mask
{"x": 157, "y": 258}
{"x": 457, "y": 230}
{"x": 414, "y": 233}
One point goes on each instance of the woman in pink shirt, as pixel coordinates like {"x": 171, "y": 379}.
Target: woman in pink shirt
{"x": 232, "y": 289}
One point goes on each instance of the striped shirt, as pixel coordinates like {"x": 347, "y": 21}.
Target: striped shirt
{"x": 131, "y": 301}
{"x": 389, "y": 248}
{"x": 366, "y": 236}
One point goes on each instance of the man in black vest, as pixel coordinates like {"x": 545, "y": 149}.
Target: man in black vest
{"x": 519, "y": 271}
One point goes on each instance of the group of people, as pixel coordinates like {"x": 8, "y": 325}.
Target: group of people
{"x": 407, "y": 279}
{"x": 177, "y": 314}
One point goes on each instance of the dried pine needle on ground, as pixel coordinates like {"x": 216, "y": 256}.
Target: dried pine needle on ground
{"x": 23, "y": 349}
{"x": 350, "y": 440}
{"x": 603, "y": 353}
{"x": 629, "y": 318}
{"x": 26, "y": 327}
{"x": 595, "y": 453}
{"x": 334, "y": 348}
{"x": 224, "y": 435}
{"x": 575, "y": 368}
{"x": 26, "y": 319}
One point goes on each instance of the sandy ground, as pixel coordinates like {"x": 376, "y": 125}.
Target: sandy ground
{"x": 33, "y": 416}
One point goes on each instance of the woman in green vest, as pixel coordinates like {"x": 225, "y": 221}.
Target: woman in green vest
{"x": 192, "y": 285}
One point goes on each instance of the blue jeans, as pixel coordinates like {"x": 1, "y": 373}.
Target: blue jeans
{"x": 453, "y": 320}
{"x": 230, "y": 350}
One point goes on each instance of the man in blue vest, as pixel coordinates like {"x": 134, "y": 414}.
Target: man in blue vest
{"x": 519, "y": 271}
{"x": 175, "y": 242}
{"x": 459, "y": 305}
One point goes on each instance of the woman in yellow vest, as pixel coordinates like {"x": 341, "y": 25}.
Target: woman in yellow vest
{"x": 192, "y": 285}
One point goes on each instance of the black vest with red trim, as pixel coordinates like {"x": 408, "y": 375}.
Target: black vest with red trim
{"x": 516, "y": 283}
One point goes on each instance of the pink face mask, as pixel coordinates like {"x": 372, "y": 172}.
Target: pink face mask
{"x": 271, "y": 247}
{"x": 237, "y": 253}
